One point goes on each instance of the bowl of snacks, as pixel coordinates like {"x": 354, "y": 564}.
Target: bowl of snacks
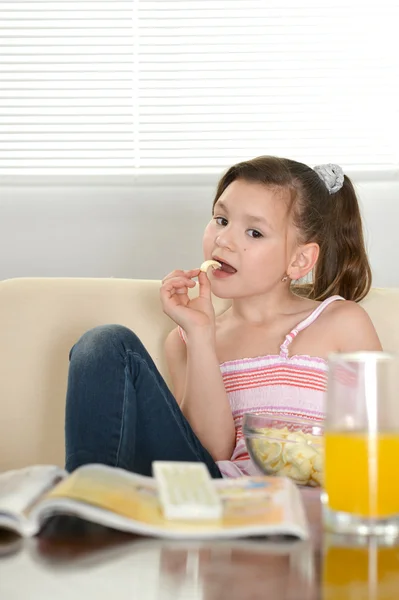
{"x": 285, "y": 446}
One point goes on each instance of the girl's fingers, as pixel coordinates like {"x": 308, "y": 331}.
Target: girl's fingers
{"x": 179, "y": 282}
{"x": 204, "y": 286}
{"x": 177, "y": 285}
{"x": 177, "y": 273}
{"x": 180, "y": 273}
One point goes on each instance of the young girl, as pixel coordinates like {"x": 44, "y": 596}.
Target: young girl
{"x": 274, "y": 221}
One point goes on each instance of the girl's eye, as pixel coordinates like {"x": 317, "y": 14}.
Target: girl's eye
{"x": 254, "y": 233}
{"x": 221, "y": 221}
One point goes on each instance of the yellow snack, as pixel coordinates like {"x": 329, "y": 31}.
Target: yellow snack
{"x": 295, "y": 452}
{"x": 270, "y": 451}
{"x": 275, "y": 466}
{"x": 270, "y": 454}
{"x": 313, "y": 483}
{"x": 299, "y": 473}
{"x": 317, "y": 463}
{"x": 317, "y": 478}
{"x": 297, "y": 455}
{"x": 296, "y": 436}
{"x": 210, "y": 263}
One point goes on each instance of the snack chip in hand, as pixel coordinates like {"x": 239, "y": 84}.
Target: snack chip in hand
{"x": 210, "y": 263}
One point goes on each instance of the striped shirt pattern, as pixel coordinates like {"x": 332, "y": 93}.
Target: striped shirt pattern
{"x": 277, "y": 385}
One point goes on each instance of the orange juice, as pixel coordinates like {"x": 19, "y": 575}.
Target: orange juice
{"x": 360, "y": 573}
{"x": 361, "y": 473}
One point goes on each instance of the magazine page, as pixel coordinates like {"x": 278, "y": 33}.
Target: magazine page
{"x": 116, "y": 498}
{"x": 20, "y": 489}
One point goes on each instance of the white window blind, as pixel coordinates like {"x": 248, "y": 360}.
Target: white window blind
{"x": 99, "y": 87}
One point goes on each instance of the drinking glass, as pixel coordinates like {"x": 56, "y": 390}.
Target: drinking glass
{"x": 361, "y": 474}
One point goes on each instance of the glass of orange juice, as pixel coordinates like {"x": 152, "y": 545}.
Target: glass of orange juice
{"x": 361, "y": 437}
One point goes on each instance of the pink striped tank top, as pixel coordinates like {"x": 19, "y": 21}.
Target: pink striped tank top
{"x": 280, "y": 384}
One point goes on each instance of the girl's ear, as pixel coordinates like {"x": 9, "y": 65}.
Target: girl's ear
{"x": 304, "y": 260}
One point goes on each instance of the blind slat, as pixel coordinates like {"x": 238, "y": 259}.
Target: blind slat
{"x": 29, "y": 141}
{"x": 103, "y": 77}
{"x": 76, "y": 32}
{"x": 66, "y": 5}
{"x": 26, "y": 148}
{"x": 67, "y": 120}
{"x": 76, "y": 129}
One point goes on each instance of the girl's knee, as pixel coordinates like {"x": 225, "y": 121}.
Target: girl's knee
{"x": 105, "y": 339}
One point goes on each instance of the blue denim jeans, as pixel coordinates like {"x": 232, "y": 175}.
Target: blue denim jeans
{"x": 119, "y": 410}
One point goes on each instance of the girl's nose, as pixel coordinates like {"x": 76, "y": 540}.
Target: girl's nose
{"x": 224, "y": 241}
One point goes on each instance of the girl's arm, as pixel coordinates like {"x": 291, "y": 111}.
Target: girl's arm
{"x": 354, "y": 329}
{"x": 198, "y": 387}
{"x": 194, "y": 367}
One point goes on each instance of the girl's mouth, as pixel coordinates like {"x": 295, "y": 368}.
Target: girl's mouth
{"x": 224, "y": 271}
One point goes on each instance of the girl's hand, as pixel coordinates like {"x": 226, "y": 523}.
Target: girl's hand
{"x": 197, "y": 313}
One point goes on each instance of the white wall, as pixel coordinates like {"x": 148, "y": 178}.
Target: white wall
{"x": 144, "y": 230}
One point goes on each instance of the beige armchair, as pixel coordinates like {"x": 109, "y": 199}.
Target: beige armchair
{"x": 40, "y": 320}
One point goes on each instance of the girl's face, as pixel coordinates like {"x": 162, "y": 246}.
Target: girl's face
{"x": 250, "y": 233}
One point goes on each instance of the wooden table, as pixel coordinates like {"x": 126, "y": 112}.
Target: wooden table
{"x": 86, "y": 561}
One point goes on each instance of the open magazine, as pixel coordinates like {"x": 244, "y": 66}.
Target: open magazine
{"x": 252, "y": 506}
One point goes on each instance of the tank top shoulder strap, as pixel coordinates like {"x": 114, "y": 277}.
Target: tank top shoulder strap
{"x": 182, "y": 334}
{"x": 305, "y": 323}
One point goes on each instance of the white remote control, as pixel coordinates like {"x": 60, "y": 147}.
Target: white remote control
{"x": 186, "y": 491}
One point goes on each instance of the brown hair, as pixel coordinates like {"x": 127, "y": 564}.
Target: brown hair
{"x": 333, "y": 221}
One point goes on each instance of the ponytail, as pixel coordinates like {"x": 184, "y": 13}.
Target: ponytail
{"x": 342, "y": 267}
